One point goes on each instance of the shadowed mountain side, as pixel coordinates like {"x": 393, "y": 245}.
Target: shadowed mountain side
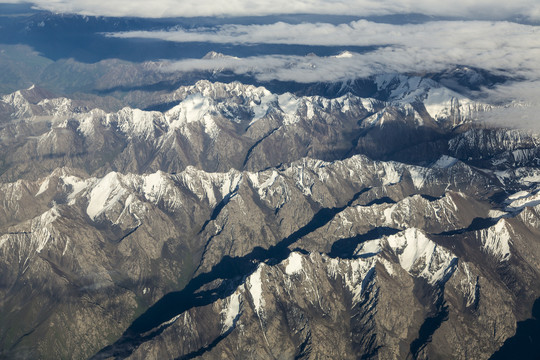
{"x": 232, "y": 270}
{"x": 525, "y": 344}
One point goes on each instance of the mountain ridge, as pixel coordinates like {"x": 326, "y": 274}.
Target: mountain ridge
{"x": 243, "y": 221}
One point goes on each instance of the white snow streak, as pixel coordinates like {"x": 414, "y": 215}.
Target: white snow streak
{"x": 255, "y": 289}
{"x": 231, "y": 311}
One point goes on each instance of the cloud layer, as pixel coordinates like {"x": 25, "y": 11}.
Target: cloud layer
{"x": 520, "y": 105}
{"x": 435, "y": 34}
{"x": 475, "y": 9}
{"x": 500, "y": 47}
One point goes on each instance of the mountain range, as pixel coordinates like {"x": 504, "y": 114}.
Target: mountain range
{"x": 381, "y": 218}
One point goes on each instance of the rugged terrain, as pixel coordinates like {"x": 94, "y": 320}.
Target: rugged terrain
{"x": 375, "y": 219}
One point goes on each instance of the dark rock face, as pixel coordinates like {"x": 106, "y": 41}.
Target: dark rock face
{"x": 245, "y": 224}
{"x": 524, "y": 344}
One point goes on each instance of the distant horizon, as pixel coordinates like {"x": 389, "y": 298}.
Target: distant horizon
{"x": 260, "y": 44}
{"x": 466, "y": 9}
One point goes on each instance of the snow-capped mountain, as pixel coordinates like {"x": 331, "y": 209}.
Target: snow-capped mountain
{"x": 247, "y": 223}
{"x": 218, "y": 126}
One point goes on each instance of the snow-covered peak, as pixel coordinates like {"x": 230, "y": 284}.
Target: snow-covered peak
{"x": 210, "y": 186}
{"x": 355, "y": 273}
{"x": 440, "y": 102}
{"x": 230, "y": 99}
{"x": 220, "y": 91}
{"x": 271, "y": 187}
{"x": 111, "y": 194}
{"x": 42, "y": 232}
{"x": 106, "y": 193}
{"x": 21, "y": 106}
{"x": 155, "y": 186}
{"x": 90, "y": 121}
{"x": 420, "y": 256}
{"x": 344, "y": 54}
{"x": 35, "y": 101}
{"x": 289, "y": 105}
{"x": 216, "y": 55}
{"x": 403, "y": 88}
{"x": 496, "y": 239}
{"x": 135, "y": 122}
{"x": 194, "y": 108}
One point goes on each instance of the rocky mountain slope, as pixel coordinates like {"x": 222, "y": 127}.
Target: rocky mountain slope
{"x": 243, "y": 223}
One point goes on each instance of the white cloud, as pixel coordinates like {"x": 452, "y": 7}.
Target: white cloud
{"x": 519, "y": 116}
{"x": 280, "y": 67}
{"x": 308, "y": 69}
{"x": 520, "y": 105}
{"x": 436, "y": 34}
{"x": 523, "y": 92}
{"x": 478, "y": 9}
{"x": 500, "y": 47}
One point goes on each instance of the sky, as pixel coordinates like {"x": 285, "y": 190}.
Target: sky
{"x": 477, "y": 9}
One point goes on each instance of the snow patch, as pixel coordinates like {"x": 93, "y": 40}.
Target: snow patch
{"x": 207, "y": 185}
{"x": 77, "y": 185}
{"x": 138, "y": 122}
{"x": 418, "y": 118}
{"x": 194, "y": 108}
{"x": 191, "y": 109}
{"x": 445, "y": 162}
{"x": 43, "y": 187}
{"x": 438, "y": 102}
{"x": 263, "y": 189}
{"x": 358, "y": 276}
{"x": 41, "y": 230}
{"x": 294, "y": 263}
{"x": 418, "y": 177}
{"x": 495, "y": 214}
{"x": 154, "y": 186}
{"x": 88, "y": 122}
{"x": 260, "y": 105}
{"x": 387, "y": 266}
{"x": 310, "y": 112}
{"x": 368, "y": 248}
{"x": 367, "y": 103}
{"x": 523, "y": 199}
{"x": 533, "y": 178}
{"x": 390, "y": 174}
{"x": 519, "y": 195}
{"x": 231, "y": 311}
{"x": 388, "y": 214}
{"x": 469, "y": 285}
